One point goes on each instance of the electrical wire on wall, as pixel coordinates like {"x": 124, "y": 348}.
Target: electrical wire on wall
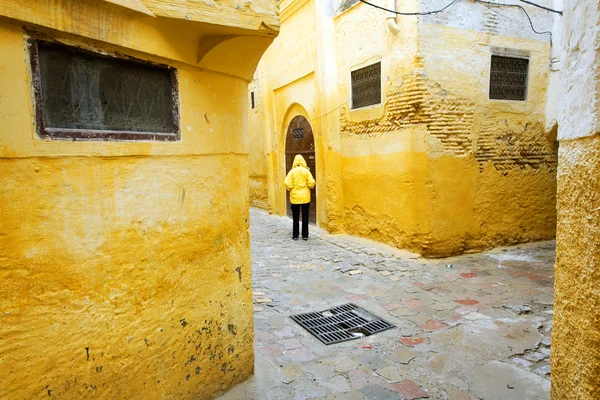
{"x": 330, "y": 111}
{"x": 409, "y": 13}
{"x": 540, "y": 6}
{"x": 485, "y": 3}
{"x": 482, "y": 2}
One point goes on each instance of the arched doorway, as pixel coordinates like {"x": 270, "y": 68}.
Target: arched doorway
{"x": 300, "y": 140}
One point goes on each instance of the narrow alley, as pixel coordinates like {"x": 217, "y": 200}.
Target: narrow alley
{"x": 467, "y": 327}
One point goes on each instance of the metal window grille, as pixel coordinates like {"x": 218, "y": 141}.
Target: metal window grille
{"x": 508, "y": 78}
{"x": 298, "y": 133}
{"x": 366, "y": 86}
{"x": 81, "y": 95}
{"x": 252, "y": 104}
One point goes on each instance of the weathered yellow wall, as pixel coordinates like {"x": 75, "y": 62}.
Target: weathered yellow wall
{"x": 576, "y": 331}
{"x": 493, "y": 165}
{"x": 485, "y": 174}
{"x": 384, "y": 165}
{"x": 124, "y": 277}
{"x": 575, "y": 357}
{"x": 257, "y": 160}
{"x": 437, "y": 167}
{"x": 384, "y": 182}
{"x": 125, "y": 266}
{"x": 285, "y": 76}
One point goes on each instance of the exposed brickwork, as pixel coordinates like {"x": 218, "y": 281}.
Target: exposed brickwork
{"x": 490, "y": 21}
{"x": 419, "y": 101}
{"x": 517, "y": 146}
{"x": 450, "y": 119}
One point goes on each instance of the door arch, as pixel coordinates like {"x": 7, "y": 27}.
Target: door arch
{"x": 299, "y": 139}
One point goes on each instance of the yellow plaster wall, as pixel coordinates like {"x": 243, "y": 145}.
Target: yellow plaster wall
{"x": 227, "y": 39}
{"x": 257, "y": 159}
{"x": 124, "y": 277}
{"x": 576, "y": 332}
{"x": 493, "y": 165}
{"x": 285, "y": 63}
{"x": 285, "y": 86}
{"x": 575, "y": 358}
{"x": 385, "y": 189}
{"x": 125, "y": 266}
{"x": 484, "y": 174}
{"x": 437, "y": 167}
{"x": 384, "y": 167}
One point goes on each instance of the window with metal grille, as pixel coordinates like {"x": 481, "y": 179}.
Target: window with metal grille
{"x": 346, "y": 4}
{"x": 366, "y": 86}
{"x": 252, "y": 104}
{"x": 508, "y": 78}
{"x": 85, "y": 96}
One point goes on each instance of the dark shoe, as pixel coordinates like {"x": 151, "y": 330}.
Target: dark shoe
{"x": 295, "y": 238}
{"x": 304, "y": 238}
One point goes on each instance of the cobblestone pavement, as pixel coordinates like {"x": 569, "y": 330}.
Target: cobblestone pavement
{"x": 467, "y": 327}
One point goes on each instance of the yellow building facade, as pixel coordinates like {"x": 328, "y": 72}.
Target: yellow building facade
{"x": 435, "y": 166}
{"x": 124, "y": 253}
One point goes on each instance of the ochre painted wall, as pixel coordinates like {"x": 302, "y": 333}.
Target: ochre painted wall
{"x": 576, "y": 329}
{"x": 493, "y": 165}
{"x": 484, "y": 171}
{"x": 437, "y": 167}
{"x": 575, "y": 356}
{"x": 125, "y": 266}
{"x": 124, "y": 277}
{"x": 384, "y": 182}
{"x": 257, "y": 160}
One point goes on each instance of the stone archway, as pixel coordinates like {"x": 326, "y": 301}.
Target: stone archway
{"x": 300, "y": 140}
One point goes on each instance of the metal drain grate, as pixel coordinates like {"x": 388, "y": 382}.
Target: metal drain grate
{"x": 341, "y": 323}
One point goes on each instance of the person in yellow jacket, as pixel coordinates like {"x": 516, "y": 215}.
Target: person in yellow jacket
{"x": 298, "y": 182}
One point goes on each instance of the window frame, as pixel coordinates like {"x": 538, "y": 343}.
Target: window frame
{"x": 514, "y": 55}
{"x": 374, "y": 105}
{"x": 72, "y": 134}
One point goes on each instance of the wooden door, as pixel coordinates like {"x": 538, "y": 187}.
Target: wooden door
{"x": 300, "y": 140}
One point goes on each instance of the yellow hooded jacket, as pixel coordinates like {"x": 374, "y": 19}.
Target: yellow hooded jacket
{"x": 299, "y": 181}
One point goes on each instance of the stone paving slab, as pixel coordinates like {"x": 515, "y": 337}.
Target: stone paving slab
{"x": 471, "y": 327}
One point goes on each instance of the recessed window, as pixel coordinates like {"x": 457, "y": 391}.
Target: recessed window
{"x": 508, "y": 78}
{"x": 252, "y": 104}
{"x": 86, "y": 96}
{"x": 366, "y": 86}
{"x": 346, "y": 5}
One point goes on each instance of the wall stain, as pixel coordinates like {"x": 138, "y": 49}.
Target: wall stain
{"x": 231, "y": 329}
{"x": 191, "y": 360}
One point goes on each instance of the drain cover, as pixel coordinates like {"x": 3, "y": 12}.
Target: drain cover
{"x": 341, "y": 323}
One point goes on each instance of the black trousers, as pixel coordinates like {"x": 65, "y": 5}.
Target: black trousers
{"x": 296, "y": 215}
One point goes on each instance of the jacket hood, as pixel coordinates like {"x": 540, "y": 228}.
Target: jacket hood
{"x": 299, "y": 161}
